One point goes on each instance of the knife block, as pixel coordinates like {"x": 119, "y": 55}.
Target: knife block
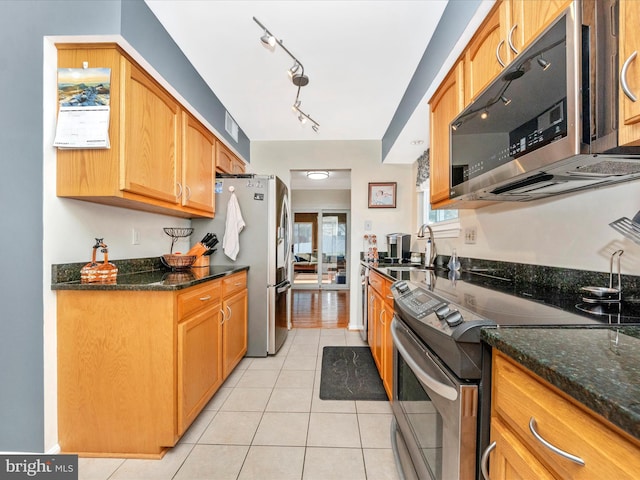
{"x": 202, "y": 261}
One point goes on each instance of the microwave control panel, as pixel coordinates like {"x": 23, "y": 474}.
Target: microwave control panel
{"x": 547, "y": 127}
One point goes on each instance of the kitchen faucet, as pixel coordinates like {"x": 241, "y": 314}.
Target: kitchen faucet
{"x": 430, "y": 253}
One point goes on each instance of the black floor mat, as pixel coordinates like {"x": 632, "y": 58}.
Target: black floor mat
{"x": 349, "y": 373}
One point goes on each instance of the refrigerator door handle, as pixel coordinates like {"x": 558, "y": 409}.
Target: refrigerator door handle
{"x": 283, "y": 287}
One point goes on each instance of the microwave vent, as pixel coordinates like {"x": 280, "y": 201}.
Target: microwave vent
{"x": 610, "y": 168}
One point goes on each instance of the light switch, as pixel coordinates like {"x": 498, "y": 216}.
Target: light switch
{"x": 367, "y": 225}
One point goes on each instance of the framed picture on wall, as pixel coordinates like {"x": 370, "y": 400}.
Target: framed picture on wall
{"x": 382, "y": 195}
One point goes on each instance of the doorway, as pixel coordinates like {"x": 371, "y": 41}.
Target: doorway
{"x": 321, "y": 249}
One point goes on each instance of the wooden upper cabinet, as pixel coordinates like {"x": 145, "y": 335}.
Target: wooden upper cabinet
{"x": 226, "y": 161}
{"x": 151, "y": 155}
{"x": 445, "y": 104}
{"x": 483, "y": 56}
{"x": 156, "y": 162}
{"x": 198, "y": 166}
{"x": 629, "y": 130}
{"x": 525, "y": 20}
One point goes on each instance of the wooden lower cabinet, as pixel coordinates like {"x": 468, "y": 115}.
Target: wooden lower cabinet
{"x": 518, "y": 396}
{"x": 135, "y": 368}
{"x": 379, "y": 334}
{"x": 234, "y": 321}
{"x": 199, "y": 365}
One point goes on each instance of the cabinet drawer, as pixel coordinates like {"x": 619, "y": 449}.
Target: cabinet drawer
{"x": 234, "y": 283}
{"x": 197, "y": 298}
{"x": 518, "y": 396}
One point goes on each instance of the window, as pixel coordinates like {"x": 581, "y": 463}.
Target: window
{"x": 445, "y": 223}
{"x": 302, "y": 237}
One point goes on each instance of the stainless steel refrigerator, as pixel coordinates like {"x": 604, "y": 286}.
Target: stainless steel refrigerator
{"x": 265, "y": 246}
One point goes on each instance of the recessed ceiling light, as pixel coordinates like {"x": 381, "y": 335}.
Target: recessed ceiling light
{"x": 417, "y": 142}
{"x": 318, "y": 174}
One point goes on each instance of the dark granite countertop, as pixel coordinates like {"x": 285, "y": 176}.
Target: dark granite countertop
{"x": 597, "y": 366}
{"x": 140, "y": 274}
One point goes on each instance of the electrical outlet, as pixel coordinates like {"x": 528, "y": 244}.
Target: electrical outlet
{"x": 367, "y": 225}
{"x": 470, "y": 235}
{"x": 135, "y": 236}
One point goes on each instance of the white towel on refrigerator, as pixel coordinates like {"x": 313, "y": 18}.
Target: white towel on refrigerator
{"x": 233, "y": 227}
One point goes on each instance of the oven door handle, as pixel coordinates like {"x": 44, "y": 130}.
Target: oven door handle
{"x": 445, "y": 391}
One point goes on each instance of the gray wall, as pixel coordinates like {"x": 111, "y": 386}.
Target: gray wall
{"x": 454, "y": 21}
{"x": 23, "y": 24}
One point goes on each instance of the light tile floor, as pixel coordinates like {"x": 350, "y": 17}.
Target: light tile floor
{"x": 267, "y": 422}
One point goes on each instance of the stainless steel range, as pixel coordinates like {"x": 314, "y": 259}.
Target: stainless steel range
{"x": 442, "y": 370}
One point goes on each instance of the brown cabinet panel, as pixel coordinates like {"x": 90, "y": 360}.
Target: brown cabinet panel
{"x": 198, "y": 165}
{"x": 629, "y": 128}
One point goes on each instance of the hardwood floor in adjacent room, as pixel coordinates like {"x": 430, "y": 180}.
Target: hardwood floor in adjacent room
{"x": 320, "y": 308}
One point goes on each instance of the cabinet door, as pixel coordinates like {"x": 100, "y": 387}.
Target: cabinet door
{"x": 510, "y": 460}
{"x": 199, "y": 367}
{"x": 198, "y": 165}
{"x": 151, "y": 131}
{"x": 446, "y": 103}
{"x": 481, "y": 62}
{"x": 387, "y": 349}
{"x": 234, "y": 331}
{"x": 227, "y": 162}
{"x": 629, "y": 131}
{"x": 528, "y": 18}
{"x": 378, "y": 321}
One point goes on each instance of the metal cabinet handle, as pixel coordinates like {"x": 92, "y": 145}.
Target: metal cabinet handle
{"x": 498, "y": 53}
{"x": 390, "y": 296}
{"x": 382, "y": 312}
{"x": 224, "y": 317}
{"x": 230, "y": 313}
{"x": 205, "y": 298}
{"x": 553, "y": 448}
{"x": 510, "y": 39}
{"x": 484, "y": 461}
{"x": 188, "y": 188}
{"x": 623, "y": 77}
{"x": 179, "y": 189}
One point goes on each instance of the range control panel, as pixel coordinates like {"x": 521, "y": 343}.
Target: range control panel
{"x": 420, "y": 303}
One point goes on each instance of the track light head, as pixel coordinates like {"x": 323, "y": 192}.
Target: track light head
{"x": 315, "y": 128}
{"x": 293, "y": 69}
{"x": 543, "y": 63}
{"x": 268, "y": 41}
{"x": 302, "y": 119}
{"x": 484, "y": 115}
{"x": 456, "y": 125}
{"x": 300, "y": 80}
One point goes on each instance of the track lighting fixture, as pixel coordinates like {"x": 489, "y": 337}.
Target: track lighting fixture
{"x": 296, "y": 73}
{"x": 505, "y": 100}
{"x": 543, "y": 63}
{"x": 484, "y": 115}
{"x": 456, "y": 125}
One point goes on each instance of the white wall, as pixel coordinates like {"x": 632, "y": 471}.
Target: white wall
{"x": 571, "y": 231}
{"x": 313, "y": 199}
{"x": 364, "y": 160}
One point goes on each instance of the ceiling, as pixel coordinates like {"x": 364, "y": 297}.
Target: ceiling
{"x": 359, "y": 56}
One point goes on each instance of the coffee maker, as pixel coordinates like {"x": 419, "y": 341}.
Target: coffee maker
{"x": 398, "y": 247}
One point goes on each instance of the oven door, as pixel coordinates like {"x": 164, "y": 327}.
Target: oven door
{"x": 436, "y": 413}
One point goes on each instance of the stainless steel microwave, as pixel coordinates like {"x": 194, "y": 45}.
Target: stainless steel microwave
{"x": 548, "y": 124}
